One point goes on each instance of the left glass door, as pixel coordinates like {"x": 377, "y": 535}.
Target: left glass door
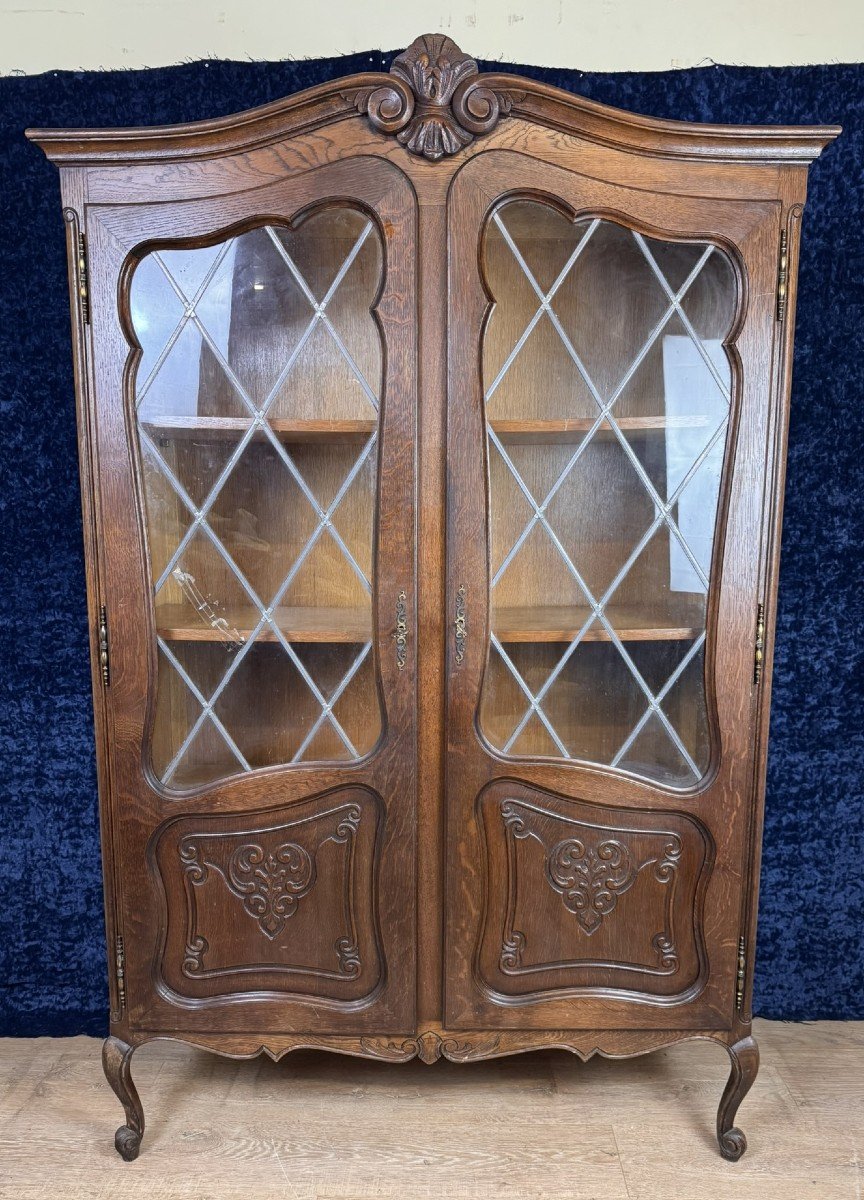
{"x": 255, "y": 367}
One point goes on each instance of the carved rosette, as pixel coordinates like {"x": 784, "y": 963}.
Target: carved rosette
{"x": 435, "y": 101}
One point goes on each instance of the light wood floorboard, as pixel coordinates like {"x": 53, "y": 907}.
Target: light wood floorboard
{"x": 536, "y": 1127}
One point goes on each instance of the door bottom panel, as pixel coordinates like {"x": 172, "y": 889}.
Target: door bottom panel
{"x": 279, "y": 902}
{"x": 584, "y": 904}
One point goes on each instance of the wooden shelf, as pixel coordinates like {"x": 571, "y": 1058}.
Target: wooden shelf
{"x": 177, "y": 623}
{"x": 549, "y": 623}
{"x": 632, "y": 623}
{"x": 571, "y": 430}
{"x": 193, "y": 428}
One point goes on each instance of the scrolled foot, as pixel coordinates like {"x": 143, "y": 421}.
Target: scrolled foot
{"x": 745, "y": 1064}
{"x": 116, "y": 1059}
{"x": 733, "y": 1143}
{"x": 127, "y": 1143}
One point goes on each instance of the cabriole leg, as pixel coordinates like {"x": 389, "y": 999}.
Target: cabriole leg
{"x": 116, "y": 1060}
{"x": 745, "y": 1064}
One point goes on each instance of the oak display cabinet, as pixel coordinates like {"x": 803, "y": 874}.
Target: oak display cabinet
{"x": 432, "y": 431}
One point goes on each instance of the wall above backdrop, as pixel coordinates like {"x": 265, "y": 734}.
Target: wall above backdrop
{"x": 52, "y": 956}
{"x": 621, "y": 35}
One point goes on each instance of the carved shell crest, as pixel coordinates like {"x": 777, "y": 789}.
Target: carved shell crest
{"x": 435, "y": 100}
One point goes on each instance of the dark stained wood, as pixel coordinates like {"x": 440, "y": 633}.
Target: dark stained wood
{"x": 431, "y": 613}
{"x": 337, "y": 100}
{"x": 402, "y": 868}
{"x": 744, "y": 1056}
{"x": 643, "y": 922}
{"x": 116, "y": 1063}
{"x": 315, "y": 936}
{"x": 751, "y": 227}
{"x": 139, "y": 904}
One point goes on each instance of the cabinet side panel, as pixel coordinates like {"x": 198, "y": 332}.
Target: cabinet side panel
{"x": 74, "y": 188}
{"x": 794, "y": 198}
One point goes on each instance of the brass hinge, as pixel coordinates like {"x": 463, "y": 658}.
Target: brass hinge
{"x": 759, "y": 649}
{"x": 782, "y": 275}
{"x": 120, "y": 971}
{"x": 740, "y": 974}
{"x": 83, "y": 281}
{"x": 103, "y": 645}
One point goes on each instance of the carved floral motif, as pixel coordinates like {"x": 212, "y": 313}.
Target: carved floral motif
{"x": 435, "y": 100}
{"x": 270, "y": 883}
{"x": 433, "y": 67}
{"x": 590, "y": 877}
{"x": 429, "y": 1046}
{"x": 270, "y": 874}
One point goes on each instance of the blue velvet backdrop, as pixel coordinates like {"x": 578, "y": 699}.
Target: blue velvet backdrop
{"x": 52, "y": 957}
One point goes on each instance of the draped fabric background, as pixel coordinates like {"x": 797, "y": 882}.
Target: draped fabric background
{"x": 810, "y": 959}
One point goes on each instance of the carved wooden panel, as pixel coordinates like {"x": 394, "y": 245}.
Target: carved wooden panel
{"x": 282, "y": 901}
{"x": 587, "y": 897}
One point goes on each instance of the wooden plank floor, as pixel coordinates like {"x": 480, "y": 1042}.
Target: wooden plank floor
{"x": 537, "y": 1127}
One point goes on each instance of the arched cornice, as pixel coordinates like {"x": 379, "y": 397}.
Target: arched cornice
{"x": 435, "y": 101}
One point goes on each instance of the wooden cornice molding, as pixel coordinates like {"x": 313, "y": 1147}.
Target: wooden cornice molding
{"x": 435, "y": 101}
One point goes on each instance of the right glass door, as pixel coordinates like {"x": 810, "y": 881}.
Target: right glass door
{"x": 609, "y": 356}
{"x": 607, "y": 393}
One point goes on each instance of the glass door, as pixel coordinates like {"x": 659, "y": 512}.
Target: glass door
{"x": 607, "y": 396}
{"x": 254, "y": 389}
{"x": 257, "y": 401}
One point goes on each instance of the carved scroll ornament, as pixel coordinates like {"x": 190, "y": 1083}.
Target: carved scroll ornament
{"x": 270, "y": 874}
{"x": 435, "y": 101}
